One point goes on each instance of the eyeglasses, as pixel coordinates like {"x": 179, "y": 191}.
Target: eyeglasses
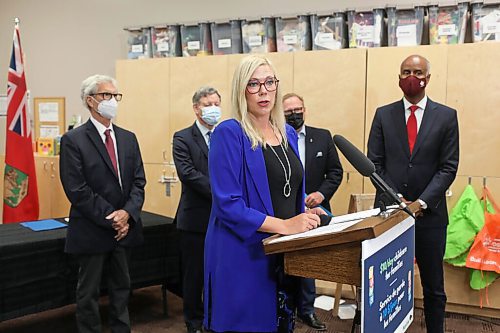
{"x": 107, "y": 96}
{"x": 294, "y": 110}
{"x": 270, "y": 83}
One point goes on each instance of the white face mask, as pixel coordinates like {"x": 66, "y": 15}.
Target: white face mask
{"x": 107, "y": 109}
{"x": 211, "y": 114}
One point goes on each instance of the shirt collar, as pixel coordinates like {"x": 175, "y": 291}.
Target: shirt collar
{"x": 202, "y": 128}
{"x": 302, "y": 130}
{"x": 100, "y": 127}
{"x": 422, "y": 104}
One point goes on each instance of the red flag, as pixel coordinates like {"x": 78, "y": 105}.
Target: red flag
{"x": 20, "y": 196}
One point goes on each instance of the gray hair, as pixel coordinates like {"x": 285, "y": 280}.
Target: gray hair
{"x": 90, "y": 84}
{"x": 204, "y": 92}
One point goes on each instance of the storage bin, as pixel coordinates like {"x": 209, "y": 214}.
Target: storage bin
{"x": 329, "y": 32}
{"x": 293, "y": 34}
{"x": 405, "y": 26}
{"x": 259, "y": 36}
{"x": 226, "y": 37}
{"x": 366, "y": 29}
{"x": 196, "y": 40}
{"x": 139, "y": 43}
{"x": 485, "y": 22}
{"x": 447, "y": 24}
{"x": 166, "y": 41}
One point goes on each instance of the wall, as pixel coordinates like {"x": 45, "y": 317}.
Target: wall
{"x": 66, "y": 41}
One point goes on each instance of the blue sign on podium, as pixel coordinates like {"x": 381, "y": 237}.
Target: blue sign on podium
{"x": 387, "y": 282}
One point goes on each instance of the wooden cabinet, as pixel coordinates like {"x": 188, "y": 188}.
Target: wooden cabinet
{"x": 51, "y": 196}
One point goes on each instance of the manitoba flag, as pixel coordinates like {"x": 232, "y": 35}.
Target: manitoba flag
{"x": 20, "y": 194}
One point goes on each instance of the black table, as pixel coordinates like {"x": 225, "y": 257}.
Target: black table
{"x": 36, "y": 274}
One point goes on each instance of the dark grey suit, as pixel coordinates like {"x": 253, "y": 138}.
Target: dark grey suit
{"x": 425, "y": 174}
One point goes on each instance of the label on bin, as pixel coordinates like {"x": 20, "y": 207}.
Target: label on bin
{"x": 325, "y": 36}
{"x": 162, "y": 47}
{"x": 366, "y": 32}
{"x": 137, "y": 48}
{"x": 290, "y": 39}
{"x": 224, "y": 43}
{"x": 193, "y": 45}
{"x": 447, "y": 30}
{"x": 255, "y": 40}
{"x": 406, "y": 35}
{"x": 491, "y": 28}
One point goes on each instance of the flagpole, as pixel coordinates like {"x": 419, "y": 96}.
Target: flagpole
{"x": 16, "y": 21}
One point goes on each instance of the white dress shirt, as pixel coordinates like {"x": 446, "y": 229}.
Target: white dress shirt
{"x": 419, "y": 114}
{"x": 204, "y": 131}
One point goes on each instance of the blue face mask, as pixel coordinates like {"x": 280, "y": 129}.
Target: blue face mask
{"x": 211, "y": 114}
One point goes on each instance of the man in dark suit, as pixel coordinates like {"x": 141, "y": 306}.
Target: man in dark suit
{"x": 190, "y": 152}
{"x": 414, "y": 145}
{"x": 323, "y": 173}
{"x": 103, "y": 177}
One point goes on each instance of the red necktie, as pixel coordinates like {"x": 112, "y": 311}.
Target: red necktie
{"x": 110, "y": 147}
{"x": 411, "y": 127}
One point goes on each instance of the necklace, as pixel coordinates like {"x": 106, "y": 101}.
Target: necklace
{"x": 287, "y": 189}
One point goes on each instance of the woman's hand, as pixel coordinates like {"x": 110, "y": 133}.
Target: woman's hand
{"x": 301, "y": 223}
{"x": 316, "y": 210}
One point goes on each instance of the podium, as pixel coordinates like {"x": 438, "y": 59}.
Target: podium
{"x": 336, "y": 257}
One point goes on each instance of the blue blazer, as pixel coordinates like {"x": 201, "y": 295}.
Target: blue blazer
{"x": 240, "y": 280}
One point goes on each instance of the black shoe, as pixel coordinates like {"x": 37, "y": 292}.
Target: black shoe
{"x": 313, "y": 321}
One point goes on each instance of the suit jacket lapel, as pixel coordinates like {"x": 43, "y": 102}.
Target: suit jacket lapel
{"x": 121, "y": 147}
{"x": 309, "y": 145}
{"x": 200, "y": 140}
{"x": 428, "y": 121}
{"x": 399, "y": 121}
{"x": 96, "y": 139}
{"x": 257, "y": 169}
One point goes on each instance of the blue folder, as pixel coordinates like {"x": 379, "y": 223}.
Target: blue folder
{"x": 44, "y": 225}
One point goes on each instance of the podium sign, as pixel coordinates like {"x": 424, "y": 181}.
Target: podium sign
{"x": 387, "y": 279}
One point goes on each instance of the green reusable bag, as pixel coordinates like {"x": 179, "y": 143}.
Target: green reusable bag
{"x": 465, "y": 221}
{"x": 480, "y": 280}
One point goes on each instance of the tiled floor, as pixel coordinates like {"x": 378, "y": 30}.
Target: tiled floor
{"x": 147, "y": 316}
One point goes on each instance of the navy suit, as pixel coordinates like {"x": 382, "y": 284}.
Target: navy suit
{"x": 191, "y": 161}
{"x": 240, "y": 280}
{"x": 324, "y": 174}
{"x": 94, "y": 190}
{"x": 425, "y": 174}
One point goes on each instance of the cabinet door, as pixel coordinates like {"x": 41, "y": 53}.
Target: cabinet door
{"x": 58, "y": 201}
{"x": 43, "y": 180}
{"x": 144, "y": 109}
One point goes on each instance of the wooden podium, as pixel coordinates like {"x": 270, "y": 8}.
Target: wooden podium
{"x": 333, "y": 257}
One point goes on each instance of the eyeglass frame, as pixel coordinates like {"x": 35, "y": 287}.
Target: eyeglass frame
{"x": 263, "y": 84}
{"x": 299, "y": 109}
{"x": 118, "y": 96}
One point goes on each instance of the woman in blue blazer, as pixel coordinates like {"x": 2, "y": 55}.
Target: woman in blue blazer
{"x": 257, "y": 190}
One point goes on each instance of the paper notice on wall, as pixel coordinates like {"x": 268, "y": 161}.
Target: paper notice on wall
{"x": 48, "y": 112}
{"x": 49, "y": 131}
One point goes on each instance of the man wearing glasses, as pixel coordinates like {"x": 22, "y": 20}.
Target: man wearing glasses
{"x": 103, "y": 177}
{"x": 323, "y": 176}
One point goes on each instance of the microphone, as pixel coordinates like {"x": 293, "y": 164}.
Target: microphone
{"x": 366, "y": 167}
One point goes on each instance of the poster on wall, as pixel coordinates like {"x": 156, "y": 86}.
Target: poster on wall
{"x": 388, "y": 280}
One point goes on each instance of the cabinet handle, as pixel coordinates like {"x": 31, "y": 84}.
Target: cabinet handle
{"x": 52, "y": 166}
{"x": 45, "y": 166}
{"x": 164, "y": 152}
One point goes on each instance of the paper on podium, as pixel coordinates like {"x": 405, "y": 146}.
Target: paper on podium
{"x": 337, "y": 224}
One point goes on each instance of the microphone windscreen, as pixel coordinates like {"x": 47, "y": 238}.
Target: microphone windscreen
{"x": 358, "y": 160}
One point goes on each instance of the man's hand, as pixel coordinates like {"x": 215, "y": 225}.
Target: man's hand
{"x": 314, "y": 199}
{"x": 119, "y": 220}
{"x": 418, "y": 213}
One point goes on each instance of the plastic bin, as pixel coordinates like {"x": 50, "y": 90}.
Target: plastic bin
{"x": 447, "y": 24}
{"x": 485, "y": 22}
{"x": 139, "y": 43}
{"x": 366, "y": 29}
{"x": 196, "y": 40}
{"x": 226, "y": 37}
{"x": 329, "y": 32}
{"x": 293, "y": 34}
{"x": 405, "y": 26}
{"x": 258, "y": 36}
{"x": 166, "y": 41}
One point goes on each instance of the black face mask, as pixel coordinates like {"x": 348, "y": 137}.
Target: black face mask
{"x": 296, "y": 120}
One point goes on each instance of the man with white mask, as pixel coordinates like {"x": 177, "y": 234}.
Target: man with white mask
{"x": 103, "y": 177}
{"x": 190, "y": 152}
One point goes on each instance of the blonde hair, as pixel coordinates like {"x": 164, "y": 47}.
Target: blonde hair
{"x": 242, "y": 75}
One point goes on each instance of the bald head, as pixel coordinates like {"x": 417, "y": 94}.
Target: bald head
{"x": 415, "y": 65}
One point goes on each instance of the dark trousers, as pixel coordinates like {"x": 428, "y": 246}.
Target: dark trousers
{"x": 192, "y": 248}
{"x": 429, "y": 252}
{"x": 89, "y": 287}
{"x": 306, "y": 296}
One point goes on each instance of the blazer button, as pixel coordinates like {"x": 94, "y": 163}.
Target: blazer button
{"x": 410, "y": 165}
{"x": 405, "y": 185}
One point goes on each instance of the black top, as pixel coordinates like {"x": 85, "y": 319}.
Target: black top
{"x": 283, "y": 207}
